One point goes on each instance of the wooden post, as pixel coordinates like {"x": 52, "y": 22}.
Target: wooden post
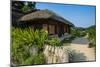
{"x": 55, "y": 29}
{"x": 68, "y": 29}
{"x": 48, "y": 28}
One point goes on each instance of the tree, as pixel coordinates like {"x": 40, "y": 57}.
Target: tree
{"x": 32, "y": 5}
{"x": 24, "y": 6}
{"x": 18, "y": 4}
{"x": 92, "y": 35}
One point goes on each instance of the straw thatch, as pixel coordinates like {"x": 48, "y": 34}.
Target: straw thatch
{"x": 44, "y": 14}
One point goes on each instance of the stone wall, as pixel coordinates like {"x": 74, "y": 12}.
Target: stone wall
{"x": 55, "y": 54}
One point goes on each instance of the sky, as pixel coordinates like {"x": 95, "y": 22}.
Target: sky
{"x": 79, "y": 15}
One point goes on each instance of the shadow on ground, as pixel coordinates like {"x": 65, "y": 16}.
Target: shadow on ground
{"x": 76, "y": 56}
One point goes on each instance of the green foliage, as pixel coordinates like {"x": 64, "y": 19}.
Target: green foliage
{"x": 39, "y": 59}
{"x": 29, "y": 61}
{"x": 25, "y": 8}
{"x": 78, "y": 32}
{"x": 32, "y": 5}
{"x": 40, "y": 37}
{"x": 18, "y": 4}
{"x": 36, "y": 59}
{"x": 91, "y": 32}
{"x": 54, "y": 42}
{"x": 22, "y": 38}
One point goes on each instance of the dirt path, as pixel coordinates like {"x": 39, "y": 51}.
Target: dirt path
{"x": 80, "y": 45}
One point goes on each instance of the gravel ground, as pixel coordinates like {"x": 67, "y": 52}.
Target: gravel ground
{"x": 80, "y": 45}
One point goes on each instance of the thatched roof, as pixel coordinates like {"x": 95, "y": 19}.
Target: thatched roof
{"x": 44, "y": 14}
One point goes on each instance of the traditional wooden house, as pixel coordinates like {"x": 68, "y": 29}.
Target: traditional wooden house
{"x": 47, "y": 20}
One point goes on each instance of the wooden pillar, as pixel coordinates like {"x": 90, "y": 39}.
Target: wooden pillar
{"x": 48, "y": 28}
{"x": 68, "y": 29}
{"x": 64, "y": 28}
{"x": 55, "y": 29}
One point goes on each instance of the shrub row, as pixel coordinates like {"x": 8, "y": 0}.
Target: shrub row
{"x": 22, "y": 38}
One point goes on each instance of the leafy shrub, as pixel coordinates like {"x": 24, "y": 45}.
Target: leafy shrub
{"x": 91, "y": 31}
{"x": 54, "y": 42}
{"x": 29, "y": 61}
{"x": 25, "y": 8}
{"x": 78, "y": 32}
{"x": 40, "y": 37}
{"x": 22, "y": 38}
{"x": 39, "y": 58}
{"x": 36, "y": 59}
{"x": 19, "y": 41}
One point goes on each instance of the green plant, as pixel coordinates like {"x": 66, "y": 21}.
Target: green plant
{"x": 54, "y": 42}
{"x": 21, "y": 39}
{"x": 29, "y": 61}
{"x": 39, "y": 58}
{"x": 40, "y": 37}
{"x": 26, "y": 8}
{"x": 25, "y": 38}
{"x": 78, "y": 32}
{"x": 91, "y": 32}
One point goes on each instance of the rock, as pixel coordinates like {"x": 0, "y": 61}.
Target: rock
{"x": 33, "y": 50}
